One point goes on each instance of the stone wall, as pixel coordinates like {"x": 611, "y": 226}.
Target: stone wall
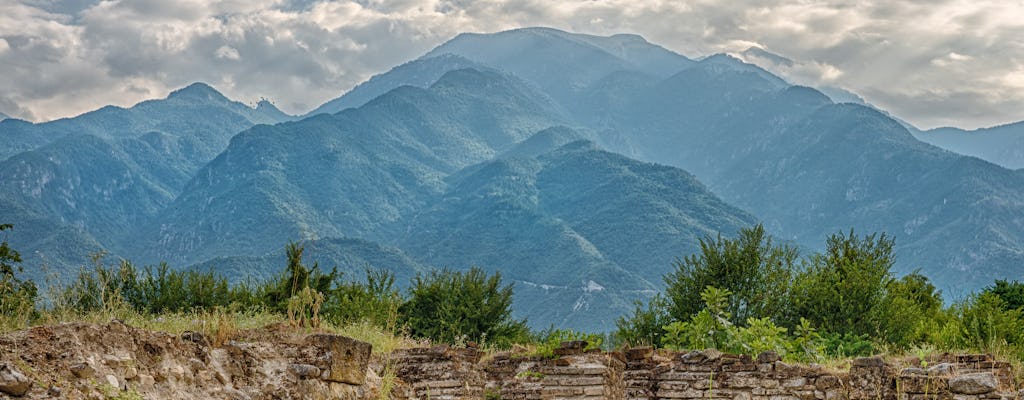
{"x": 642, "y": 373}
{"x": 86, "y": 361}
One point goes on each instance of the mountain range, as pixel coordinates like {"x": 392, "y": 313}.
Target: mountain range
{"x": 578, "y": 166}
{"x": 1002, "y": 145}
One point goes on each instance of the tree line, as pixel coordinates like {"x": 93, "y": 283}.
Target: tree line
{"x": 745, "y": 294}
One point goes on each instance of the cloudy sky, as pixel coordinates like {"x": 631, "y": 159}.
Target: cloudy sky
{"x": 931, "y": 62}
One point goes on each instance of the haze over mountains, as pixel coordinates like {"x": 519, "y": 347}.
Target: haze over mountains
{"x": 578, "y": 166}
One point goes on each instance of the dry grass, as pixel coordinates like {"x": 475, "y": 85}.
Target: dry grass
{"x": 383, "y": 340}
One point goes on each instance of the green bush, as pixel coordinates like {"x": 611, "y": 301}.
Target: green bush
{"x": 449, "y": 306}
{"x": 376, "y": 301}
{"x": 847, "y": 345}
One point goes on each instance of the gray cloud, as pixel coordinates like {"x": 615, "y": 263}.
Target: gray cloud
{"x": 933, "y": 63}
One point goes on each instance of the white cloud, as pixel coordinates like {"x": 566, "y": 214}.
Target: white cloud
{"x": 227, "y": 52}
{"x": 933, "y": 63}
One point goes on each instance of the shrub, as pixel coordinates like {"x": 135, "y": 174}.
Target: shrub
{"x": 447, "y": 305}
{"x": 377, "y": 301}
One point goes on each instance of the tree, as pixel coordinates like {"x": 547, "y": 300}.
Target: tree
{"x": 842, "y": 289}
{"x": 910, "y": 310}
{"x": 451, "y": 306}
{"x": 1012, "y": 293}
{"x": 17, "y": 296}
{"x": 752, "y": 268}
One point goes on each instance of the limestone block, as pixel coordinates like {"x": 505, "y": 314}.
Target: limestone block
{"x": 976, "y": 383}
{"x": 347, "y": 357}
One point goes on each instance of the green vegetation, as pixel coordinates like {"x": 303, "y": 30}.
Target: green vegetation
{"x": 752, "y": 296}
{"x": 446, "y": 306}
{"x": 17, "y": 296}
{"x": 450, "y": 306}
{"x": 746, "y": 295}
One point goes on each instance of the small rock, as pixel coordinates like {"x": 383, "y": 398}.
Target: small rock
{"x": 195, "y": 337}
{"x": 130, "y": 372}
{"x": 942, "y": 369}
{"x": 13, "y": 382}
{"x": 146, "y": 381}
{"x": 976, "y": 383}
{"x": 53, "y": 391}
{"x": 113, "y": 381}
{"x": 82, "y": 370}
{"x": 176, "y": 371}
{"x": 698, "y": 357}
{"x": 304, "y": 371}
{"x": 196, "y": 365}
{"x": 769, "y": 356}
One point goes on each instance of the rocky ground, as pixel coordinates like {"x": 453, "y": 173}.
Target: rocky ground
{"x": 89, "y": 361}
{"x": 117, "y": 361}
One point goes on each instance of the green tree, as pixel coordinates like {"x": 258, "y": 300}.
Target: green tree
{"x": 450, "y": 306}
{"x": 752, "y": 268}
{"x": 910, "y": 311}
{"x": 842, "y": 289}
{"x": 1012, "y": 293}
{"x": 17, "y": 296}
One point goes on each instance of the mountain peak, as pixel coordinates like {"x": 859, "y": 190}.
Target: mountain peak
{"x": 197, "y": 90}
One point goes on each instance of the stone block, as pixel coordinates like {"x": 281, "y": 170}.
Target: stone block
{"x": 639, "y": 353}
{"x": 347, "y": 358}
{"x": 976, "y": 383}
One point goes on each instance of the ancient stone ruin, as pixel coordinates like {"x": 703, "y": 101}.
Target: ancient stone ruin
{"x": 85, "y": 361}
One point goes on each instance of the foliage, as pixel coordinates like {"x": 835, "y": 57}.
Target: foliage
{"x": 807, "y": 344}
{"x": 277, "y": 293}
{"x": 17, "y": 296}
{"x": 377, "y": 300}
{"x": 1012, "y": 293}
{"x": 909, "y": 312}
{"x": 644, "y": 327}
{"x": 986, "y": 323}
{"x": 709, "y": 328}
{"x": 843, "y": 288}
{"x": 304, "y": 308}
{"x": 752, "y": 268}
{"x": 446, "y": 305}
{"x": 151, "y": 290}
{"x": 847, "y": 345}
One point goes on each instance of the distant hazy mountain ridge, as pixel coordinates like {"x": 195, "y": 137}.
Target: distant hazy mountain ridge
{"x": 579, "y": 166}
